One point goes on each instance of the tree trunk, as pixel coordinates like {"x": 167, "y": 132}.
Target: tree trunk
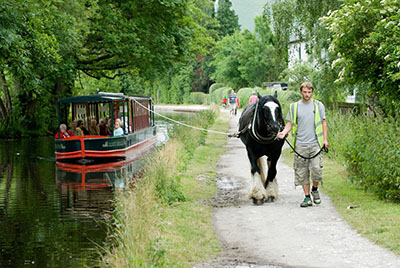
{"x": 7, "y": 107}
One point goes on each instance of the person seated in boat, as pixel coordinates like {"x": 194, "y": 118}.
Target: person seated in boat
{"x": 110, "y": 127}
{"x": 117, "y": 129}
{"x": 81, "y": 126}
{"x": 94, "y": 129}
{"x": 64, "y": 133}
{"x": 103, "y": 127}
{"x": 75, "y": 130}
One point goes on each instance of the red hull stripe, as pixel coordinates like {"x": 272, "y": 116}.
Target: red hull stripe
{"x": 110, "y": 153}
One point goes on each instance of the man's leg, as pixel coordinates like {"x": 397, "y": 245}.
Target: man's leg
{"x": 316, "y": 171}
{"x": 302, "y": 175}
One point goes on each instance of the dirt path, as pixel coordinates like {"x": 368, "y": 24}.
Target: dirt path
{"x": 282, "y": 234}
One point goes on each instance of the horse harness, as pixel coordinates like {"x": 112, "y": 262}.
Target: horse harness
{"x": 267, "y": 140}
{"x": 253, "y": 132}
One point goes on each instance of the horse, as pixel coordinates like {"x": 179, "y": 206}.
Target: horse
{"x": 259, "y": 125}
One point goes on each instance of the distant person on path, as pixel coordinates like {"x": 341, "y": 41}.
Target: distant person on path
{"x": 307, "y": 120}
{"x": 64, "y": 133}
{"x": 237, "y": 105}
{"x": 232, "y": 102}
{"x": 224, "y": 100}
{"x": 253, "y": 97}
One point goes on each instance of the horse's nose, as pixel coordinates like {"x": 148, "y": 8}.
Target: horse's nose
{"x": 274, "y": 128}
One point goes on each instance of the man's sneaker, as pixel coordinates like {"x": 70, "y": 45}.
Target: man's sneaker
{"x": 306, "y": 202}
{"x": 315, "y": 197}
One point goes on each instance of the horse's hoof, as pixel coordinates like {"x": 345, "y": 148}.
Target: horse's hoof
{"x": 270, "y": 199}
{"x": 258, "y": 201}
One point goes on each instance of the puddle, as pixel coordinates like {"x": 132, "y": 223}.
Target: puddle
{"x": 228, "y": 192}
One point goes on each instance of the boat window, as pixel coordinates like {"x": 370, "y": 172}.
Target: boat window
{"x": 80, "y": 112}
{"x": 141, "y": 116}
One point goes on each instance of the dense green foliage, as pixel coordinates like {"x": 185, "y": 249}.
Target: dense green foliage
{"x": 247, "y": 59}
{"x": 369, "y": 149}
{"x": 228, "y": 20}
{"x": 365, "y": 37}
{"x": 53, "y": 49}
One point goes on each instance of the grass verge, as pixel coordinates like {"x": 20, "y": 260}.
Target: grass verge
{"x": 375, "y": 219}
{"x": 153, "y": 231}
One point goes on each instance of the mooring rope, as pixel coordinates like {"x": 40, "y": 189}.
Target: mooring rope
{"x": 183, "y": 124}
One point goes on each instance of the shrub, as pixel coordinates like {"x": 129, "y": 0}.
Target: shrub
{"x": 368, "y": 147}
{"x": 216, "y": 96}
{"x": 214, "y": 87}
{"x": 198, "y": 98}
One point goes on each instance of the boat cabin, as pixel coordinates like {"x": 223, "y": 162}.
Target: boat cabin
{"x": 133, "y": 114}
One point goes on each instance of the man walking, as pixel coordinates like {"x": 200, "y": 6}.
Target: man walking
{"x": 306, "y": 119}
{"x": 232, "y": 102}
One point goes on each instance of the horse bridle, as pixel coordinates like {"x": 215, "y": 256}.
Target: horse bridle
{"x": 257, "y": 136}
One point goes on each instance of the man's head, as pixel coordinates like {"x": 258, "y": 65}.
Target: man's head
{"x": 306, "y": 90}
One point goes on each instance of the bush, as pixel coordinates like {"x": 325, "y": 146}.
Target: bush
{"x": 198, "y": 98}
{"x": 244, "y": 95}
{"x": 214, "y": 87}
{"x": 216, "y": 96}
{"x": 368, "y": 147}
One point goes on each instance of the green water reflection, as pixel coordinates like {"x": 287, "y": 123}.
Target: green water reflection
{"x": 35, "y": 231}
{"x": 54, "y": 215}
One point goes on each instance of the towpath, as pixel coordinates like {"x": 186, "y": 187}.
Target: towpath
{"x": 282, "y": 234}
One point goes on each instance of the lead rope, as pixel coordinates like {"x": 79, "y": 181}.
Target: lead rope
{"x": 186, "y": 125}
{"x": 304, "y": 157}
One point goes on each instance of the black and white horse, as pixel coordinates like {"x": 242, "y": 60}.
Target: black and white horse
{"x": 258, "y": 126}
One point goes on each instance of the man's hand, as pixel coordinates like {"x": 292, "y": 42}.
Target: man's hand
{"x": 281, "y": 135}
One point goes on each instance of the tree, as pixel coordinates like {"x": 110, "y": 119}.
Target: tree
{"x": 228, "y": 20}
{"x": 243, "y": 60}
{"x": 366, "y": 40}
{"x": 46, "y": 45}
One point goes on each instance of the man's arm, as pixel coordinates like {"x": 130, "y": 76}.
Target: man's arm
{"x": 281, "y": 135}
{"x": 325, "y": 134}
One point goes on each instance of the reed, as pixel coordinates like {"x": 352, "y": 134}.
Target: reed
{"x": 162, "y": 222}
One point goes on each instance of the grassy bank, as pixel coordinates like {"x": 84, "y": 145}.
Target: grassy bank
{"x": 164, "y": 222}
{"x": 373, "y": 218}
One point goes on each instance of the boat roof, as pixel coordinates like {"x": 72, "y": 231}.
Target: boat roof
{"x": 101, "y": 97}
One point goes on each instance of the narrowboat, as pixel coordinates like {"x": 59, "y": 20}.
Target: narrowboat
{"x": 133, "y": 113}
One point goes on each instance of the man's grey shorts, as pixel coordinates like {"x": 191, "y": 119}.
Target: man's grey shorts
{"x": 303, "y": 167}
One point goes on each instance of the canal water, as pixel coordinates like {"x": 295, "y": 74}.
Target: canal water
{"x": 54, "y": 214}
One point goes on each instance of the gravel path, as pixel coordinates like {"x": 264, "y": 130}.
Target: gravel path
{"x": 282, "y": 234}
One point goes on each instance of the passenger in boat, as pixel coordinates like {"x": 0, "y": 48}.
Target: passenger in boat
{"x": 94, "y": 129}
{"x": 110, "y": 128}
{"x": 103, "y": 127}
{"x": 81, "y": 126}
{"x": 64, "y": 133}
{"x": 75, "y": 130}
{"x": 117, "y": 129}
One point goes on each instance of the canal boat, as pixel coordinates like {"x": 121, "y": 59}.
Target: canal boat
{"x": 134, "y": 114}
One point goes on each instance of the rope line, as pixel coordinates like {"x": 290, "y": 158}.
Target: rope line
{"x": 304, "y": 157}
{"x": 180, "y": 123}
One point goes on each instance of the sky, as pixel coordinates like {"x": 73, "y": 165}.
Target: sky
{"x": 247, "y": 10}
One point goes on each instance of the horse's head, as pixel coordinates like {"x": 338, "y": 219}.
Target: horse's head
{"x": 270, "y": 114}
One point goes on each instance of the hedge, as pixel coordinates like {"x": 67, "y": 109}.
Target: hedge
{"x": 369, "y": 149}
